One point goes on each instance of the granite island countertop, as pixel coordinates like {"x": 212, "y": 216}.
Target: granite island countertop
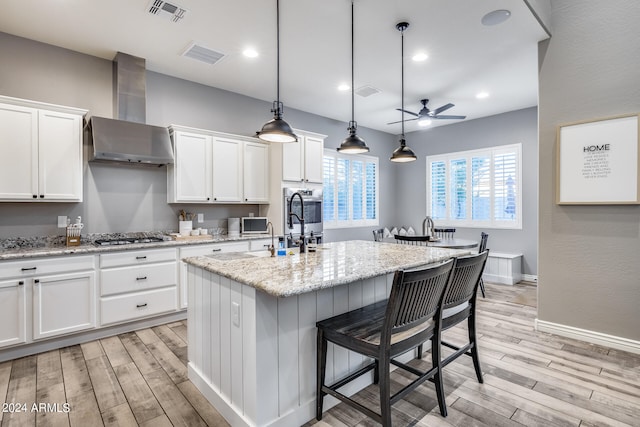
{"x": 35, "y": 247}
{"x": 332, "y": 264}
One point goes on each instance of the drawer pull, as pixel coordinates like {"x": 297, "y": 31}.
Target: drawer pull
{"x": 141, "y": 257}
{"x": 36, "y": 281}
{"x": 141, "y": 305}
{"x": 141, "y": 278}
{"x": 28, "y": 269}
{"x": 216, "y": 250}
{"x": 21, "y": 282}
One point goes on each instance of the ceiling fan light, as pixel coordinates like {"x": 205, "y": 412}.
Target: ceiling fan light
{"x": 424, "y": 122}
{"x": 403, "y": 154}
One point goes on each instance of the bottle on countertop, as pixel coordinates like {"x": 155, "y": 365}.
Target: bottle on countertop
{"x": 313, "y": 243}
{"x": 282, "y": 251}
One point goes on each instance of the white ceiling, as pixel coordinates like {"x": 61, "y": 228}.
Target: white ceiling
{"x": 465, "y": 57}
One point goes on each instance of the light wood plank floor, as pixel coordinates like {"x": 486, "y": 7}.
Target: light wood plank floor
{"x": 531, "y": 379}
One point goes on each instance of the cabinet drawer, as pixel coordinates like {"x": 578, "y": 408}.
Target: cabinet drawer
{"x": 209, "y": 249}
{"x": 137, "y": 257}
{"x": 137, "y": 278}
{"x": 40, "y": 266}
{"x": 121, "y": 308}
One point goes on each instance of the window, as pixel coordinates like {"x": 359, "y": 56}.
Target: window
{"x": 479, "y": 188}
{"x": 350, "y": 190}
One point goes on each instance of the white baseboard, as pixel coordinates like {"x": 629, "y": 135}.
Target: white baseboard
{"x": 530, "y": 278}
{"x": 599, "y": 338}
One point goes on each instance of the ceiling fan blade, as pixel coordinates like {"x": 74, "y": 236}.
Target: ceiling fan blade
{"x": 400, "y": 121}
{"x": 449, "y": 117}
{"x": 408, "y": 112}
{"x": 441, "y": 109}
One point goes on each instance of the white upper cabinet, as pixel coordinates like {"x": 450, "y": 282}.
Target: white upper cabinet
{"x": 302, "y": 161}
{"x": 256, "y": 172}
{"x": 214, "y": 167}
{"x": 227, "y": 170}
{"x": 40, "y": 152}
{"x": 192, "y": 182}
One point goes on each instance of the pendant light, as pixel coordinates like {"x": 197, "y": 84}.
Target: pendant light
{"x": 353, "y": 144}
{"x": 402, "y": 153}
{"x": 276, "y": 129}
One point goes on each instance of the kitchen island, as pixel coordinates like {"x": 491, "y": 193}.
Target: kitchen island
{"x": 251, "y": 323}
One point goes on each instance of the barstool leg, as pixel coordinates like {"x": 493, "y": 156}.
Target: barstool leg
{"x": 482, "y": 287}
{"x": 385, "y": 392}
{"x": 436, "y": 361}
{"x": 320, "y": 370}
{"x": 474, "y": 347}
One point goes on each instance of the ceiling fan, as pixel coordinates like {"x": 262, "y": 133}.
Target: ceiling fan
{"x": 426, "y": 114}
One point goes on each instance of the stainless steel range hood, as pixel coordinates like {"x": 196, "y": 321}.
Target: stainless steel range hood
{"x": 127, "y": 139}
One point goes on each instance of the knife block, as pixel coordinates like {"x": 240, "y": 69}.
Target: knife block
{"x": 73, "y": 237}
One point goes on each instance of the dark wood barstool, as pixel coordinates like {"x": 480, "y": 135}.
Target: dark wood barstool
{"x": 387, "y": 329}
{"x": 460, "y": 304}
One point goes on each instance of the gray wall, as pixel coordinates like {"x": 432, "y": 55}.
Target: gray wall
{"x": 588, "y": 275}
{"x": 503, "y": 129}
{"x": 128, "y": 198}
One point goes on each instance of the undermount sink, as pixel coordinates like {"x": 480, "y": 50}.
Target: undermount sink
{"x": 233, "y": 256}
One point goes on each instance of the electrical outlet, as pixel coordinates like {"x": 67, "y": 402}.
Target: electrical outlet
{"x": 62, "y": 221}
{"x": 251, "y": 214}
{"x": 235, "y": 313}
{"x": 200, "y": 217}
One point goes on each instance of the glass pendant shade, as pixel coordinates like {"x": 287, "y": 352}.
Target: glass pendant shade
{"x": 353, "y": 144}
{"x": 403, "y": 153}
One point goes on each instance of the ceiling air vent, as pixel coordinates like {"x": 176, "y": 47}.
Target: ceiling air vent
{"x": 203, "y": 54}
{"x": 170, "y": 11}
{"x": 365, "y": 91}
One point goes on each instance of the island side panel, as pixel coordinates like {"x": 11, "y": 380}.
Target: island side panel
{"x": 266, "y": 352}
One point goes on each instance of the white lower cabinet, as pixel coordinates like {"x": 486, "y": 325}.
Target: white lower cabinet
{"x": 135, "y": 305}
{"x": 46, "y": 297}
{"x": 12, "y": 312}
{"x": 137, "y": 284}
{"x": 191, "y": 251}
{"x": 63, "y": 304}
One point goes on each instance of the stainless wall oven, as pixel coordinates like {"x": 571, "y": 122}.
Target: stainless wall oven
{"x": 312, "y": 201}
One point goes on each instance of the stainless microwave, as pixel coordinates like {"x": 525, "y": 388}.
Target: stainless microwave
{"x": 253, "y": 224}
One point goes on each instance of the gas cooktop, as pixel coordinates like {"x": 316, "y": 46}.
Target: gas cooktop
{"x": 126, "y": 241}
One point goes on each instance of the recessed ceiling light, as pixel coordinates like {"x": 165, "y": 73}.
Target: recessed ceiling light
{"x": 421, "y": 56}
{"x": 496, "y": 17}
{"x": 344, "y": 87}
{"x": 482, "y": 95}
{"x": 424, "y": 122}
{"x": 250, "y": 53}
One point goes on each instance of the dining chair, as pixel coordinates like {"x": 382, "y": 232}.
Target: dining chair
{"x": 481, "y": 248}
{"x": 460, "y": 304}
{"x": 378, "y": 234}
{"x": 411, "y": 240}
{"x": 387, "y": 329}
{"x": 444, "y": 233}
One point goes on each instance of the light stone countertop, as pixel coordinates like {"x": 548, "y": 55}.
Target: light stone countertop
{"x": 43, "y": 247}
{"x": 333, "y": 264}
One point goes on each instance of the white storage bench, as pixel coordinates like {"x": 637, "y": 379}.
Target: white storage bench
{"x": 503, "y": 268}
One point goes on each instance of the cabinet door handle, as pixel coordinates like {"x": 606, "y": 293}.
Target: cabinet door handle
{"x": 29, "y": 268}
{"x": 21, "y": 282}
{"x": 36, "y": 281}
{"x": 141, "y": 278}
{"x": 215, "y": 198}
{"x": 35, "y": 196}
{"x": 141, "y": 305}
{"x": 141, "y": 257}
{"x": 216, "y": 250}
{"x": 208, "y": 198}
{"x": 42, "y": 196}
